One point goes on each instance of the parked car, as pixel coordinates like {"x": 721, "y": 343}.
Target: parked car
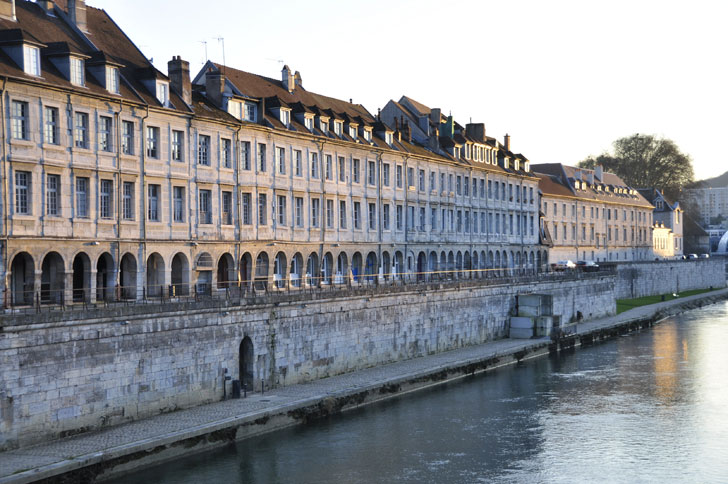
{"x": 587, "y": 265}
{"x": 564, "y": 265}
{"x": 705, "y": 256}
{"x": 692, "y": 256}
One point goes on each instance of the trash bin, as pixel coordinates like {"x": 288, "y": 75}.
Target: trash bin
{"x": 236, "y": 388}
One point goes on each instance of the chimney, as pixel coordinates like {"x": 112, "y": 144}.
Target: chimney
{"x": 77, "y": 12}
{"x": 7, "y": 9}
{"x": 475, "y": 131}
{"x": 287, "y": 79}
{"x": 297, "y": 79}
{"x": 407, "y": 132}
{"x": 215, "y": 87}
{"x": 435, "y": 139}
{"x": 178, "y": 71}
{"x": 598, "y": 172}
{"x": 435, "y": 116}
{"x": 507, "y": 142}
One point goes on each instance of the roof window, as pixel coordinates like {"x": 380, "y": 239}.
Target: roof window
{"x": 77, "y": 71}
{"x": 163, "y": 93}
{"x": 31, "y": 60}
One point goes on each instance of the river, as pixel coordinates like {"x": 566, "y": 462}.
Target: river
{"x": 647, "y": 407}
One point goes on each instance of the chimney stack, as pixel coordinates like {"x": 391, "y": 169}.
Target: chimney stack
{"x": 215, "y": 87}
{"x": 507, "y": 142}
{"x": 287, "y": 79}
{"x": 598, "y": 172}
{"x": 435, "y": 116}
{"x": 178, "y": 71}
{"x": 297, "y": 79}
{"x": 77, "y": 12}
{"x": 475, "y": 131}
{"x": 7, "y": 9}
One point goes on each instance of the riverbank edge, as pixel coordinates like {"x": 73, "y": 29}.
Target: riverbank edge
{"x": 115, "y": 461}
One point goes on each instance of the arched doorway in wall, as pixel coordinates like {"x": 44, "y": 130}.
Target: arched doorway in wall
{"x": 386, "y": 266}
{"x": 490, "y": 266}
{"x": 483, "y": 263}
{"x": 180, "y": 275}
{"x": 261, "y": 272}
{"x": 538, "y": 261}
{"x": 451, "y": 265}
{"x": 497, "y": 263}
{"x": 398, "y": 265}
{"x": 105, "y": 277}
{"x": 371, "y": 267}
{"x": 81, "y": 278}
{"x": 342, "y": 268}
{"x": 296, "y": 272}
{"x": 467, "y": 265}
{"x": 279, "y": 270}
{"x": 312, "y": 275}
{"x": 432, "y": 265}
{"x": 52, "y": 282}
{"x": 225, "y": 271}
{"x": 518, "y": 262}
{"x": 246, "y": 265}
{"x": 327, "y": 267}
{"x": 155, "y": 275}
{"x": 128, "y": 277}
{"x": 23, "y": 279}
{"x": 205, "y": 266}
{"x": 421, "y": 266}
{"x": 442, "y": 269}
{"x": 459, "y": 264}
{"x": 356, "y": 267}
{"x": 475, "y": 267}
{"x": 246, "y": 359}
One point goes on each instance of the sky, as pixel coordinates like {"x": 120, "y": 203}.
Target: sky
{"x": 563, "y": 78}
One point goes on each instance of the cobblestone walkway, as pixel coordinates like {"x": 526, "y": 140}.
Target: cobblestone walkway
{"x": 44, "y": 460}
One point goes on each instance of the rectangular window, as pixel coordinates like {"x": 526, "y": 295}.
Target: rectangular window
{"x": 106, "y": 134}
{"x": 247, "y": 209}
{"x": 398, "y": 176}
{"x": 31, "y": 60}
{"x": 281, "y": 155}
{"x": 152, "y": 142}
{"x": 490, "y": 189}
{"x": 422, "y": 219}
{"x": 179, "y": 204}
{"x": 22, "y": 192}
{"x": 314, "y": 165}
{"x": 372, "y": 216}
{"x": 422, "y": 180}
{"x": 127, "y": 137}
{"x": 482, "y": 188}
{"x": 329, "y": 168}
{"x": 460, "y": 221}
{"x": 458, "y": 185}
{"x": 355, "y": 171}
{"x": 357, "y": 215}
{"x": 163, "y": 93}
{"x": 385, "y": 174}
{"x": 410, "y": 177}
{"x": 250, "y": 112}
{"x": 128, "y": 212}
{"x": 77, "y": 72}
{"x": 261, "y": 157}
{"x": 227, "y": 208}
{"x": 372, "y": 173}
{"x": 315, "y": 211}
{"x": 433, "y": 218}
{"x": 50, "y": 126}
{"x": 329, "y": 213}
{"x": 205, "y": 208}
{"x": 53, "y": 186}
{"x": 112, "y": 80}
{"x": 466, "y": 186}
{"x": 449, "y": 183}
{"x": 342, "y": 214}
{"x": 398, "y": 217}
{"x": 106, "y": 198}
{"x": 385, "y": 217}
{"x": 342, "y": 169}
{"x": 432, "y": 181}
{"x": 442, "y": 182}
{"x": 81, "y": 197}
{"x": 178, "y": 145}
{"x": 153, "y": 192}
{"x": 203, "y": 150}
{"x": 475, "y": 188}
{"x": 281, "y": 210}
{"x": 245, "y": 155}
{"x": 226, "y": 153}
{"x": 298, "y": 162}
{"x": 299, "y": 211}
{"x": 262, "y": 208}
{"x": 80, "y": 132}
{"x": 410, "y": 217}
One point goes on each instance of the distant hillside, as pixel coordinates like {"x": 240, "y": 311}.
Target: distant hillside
{"x": 715, "y": 182}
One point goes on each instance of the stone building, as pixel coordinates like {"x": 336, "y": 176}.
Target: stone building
{"x": 668, "y": 223}
{"x": 123, "y": 182}
{"x": 593, "y": 215}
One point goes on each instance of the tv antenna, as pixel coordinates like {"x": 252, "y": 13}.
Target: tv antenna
{"x": 205, "y": 43}
{"x": 222, "y": 41}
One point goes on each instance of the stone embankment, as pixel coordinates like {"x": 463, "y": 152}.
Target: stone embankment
{"x": 99, "y": 455}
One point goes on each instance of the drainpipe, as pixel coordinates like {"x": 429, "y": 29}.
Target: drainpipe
{"x": 405, "y": 184}
{"x": 5, "y": 196}
{"x": 143, "y": 198}
{"x": 322, "y": 226}
{"x": 238, "y": 203}
{"x": 119, "y": 193}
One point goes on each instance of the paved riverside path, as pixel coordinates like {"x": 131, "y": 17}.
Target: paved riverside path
{"x": 59, "y": 456}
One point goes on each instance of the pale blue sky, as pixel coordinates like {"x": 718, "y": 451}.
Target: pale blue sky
{"x": 563, "y": 78}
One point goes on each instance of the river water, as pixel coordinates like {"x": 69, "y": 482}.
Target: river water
{"x": 647, "y": 407}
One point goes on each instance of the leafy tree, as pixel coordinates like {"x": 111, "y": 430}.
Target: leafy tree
{"x": 644, "y": 161}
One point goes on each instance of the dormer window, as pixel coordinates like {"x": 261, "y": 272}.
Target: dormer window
{"x": 388, "y": 138}
{"x": 526, "y": 166}
{"x": 338, "y": 126}
{"x": 352, "y": 131}
{"x": 324, "y": 125}
{"x": 368, "y": 135}
{"x": 250, "y": 112}
{"x": 308, "y": 122}
{"x": 31, "y": 60}
{"x": 112, "y": 80}
{"x": 285, "y": 117}
{"x": 77, "y": 72}
{"x": 163, "y": 93}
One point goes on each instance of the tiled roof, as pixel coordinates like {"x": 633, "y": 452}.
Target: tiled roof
{"x": 550, "y": 185}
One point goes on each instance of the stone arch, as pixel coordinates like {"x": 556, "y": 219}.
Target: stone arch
{"x": 225, "y": 271}
{"x": 105, "y": 277}
{"x": 280, "y": 264}
{"x": 295, "y": 274}
{"x": 467, "y": 265}
{"x": 475, "y": 268}
{"x": 52, "y": 282}
{"x": 204, "y": 273}
{"x": 342, "y": 268}
{"x": 518, "y": 262}
{"x": 421, "y": 266}
{"x": 451, "y": 264}
{"x": 432, "y": 264}
{"x": 356, "y": 267}
{"x": 312, "y": 268}
{"x": 442, "y": 268}
{"x": 398, "y": 265}
{"x": 180, "y": 276}
{"x": 261, "y": 271}
{"x": 386, "y": 266}
{"x": 497, "y": 265}
{"x": 155, "y": 275}
{"x": 246, "y": 269}
{"x": 327, "y": 268}
{"x": 22, "y": 279}
{"x": 81, "y": 278}
{"x": 246, "y": 370}
{"x": 370, "y": 270}
{"x": 459, "y": 264}
{"x": 128, "y": 276}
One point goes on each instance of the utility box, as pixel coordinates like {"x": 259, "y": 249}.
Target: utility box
{"x": 535, "y": 316}
{"x": 521, "y": 328}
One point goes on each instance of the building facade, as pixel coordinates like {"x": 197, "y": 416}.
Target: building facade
{"x": 124, "y": 182}
{"x": 711, "y": 202}
{"x": 593, "y": 215}
{"x": 668, "y": 218}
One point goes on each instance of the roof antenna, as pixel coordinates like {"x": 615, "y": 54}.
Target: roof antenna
{"x": 204, "y": 42}
{"x": 222, "y": 41}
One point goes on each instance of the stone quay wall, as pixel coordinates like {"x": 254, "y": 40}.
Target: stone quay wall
{"x": 65, "y": 377}
{"x": 638, "y": 279}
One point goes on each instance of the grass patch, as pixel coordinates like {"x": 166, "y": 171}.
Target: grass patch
{"x": 626, "y": 304}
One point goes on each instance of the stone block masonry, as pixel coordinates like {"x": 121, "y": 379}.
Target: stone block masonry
{"x": 638, "y": 279}
{"x": 66, "y": 377}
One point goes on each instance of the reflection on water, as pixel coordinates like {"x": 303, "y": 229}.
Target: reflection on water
{"x": 649, "y": 407}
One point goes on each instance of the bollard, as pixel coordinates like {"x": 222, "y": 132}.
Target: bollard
{"x": 245, "y": 390}
{"x": 236, "y": 389}
{"x": 262, "y": 387}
